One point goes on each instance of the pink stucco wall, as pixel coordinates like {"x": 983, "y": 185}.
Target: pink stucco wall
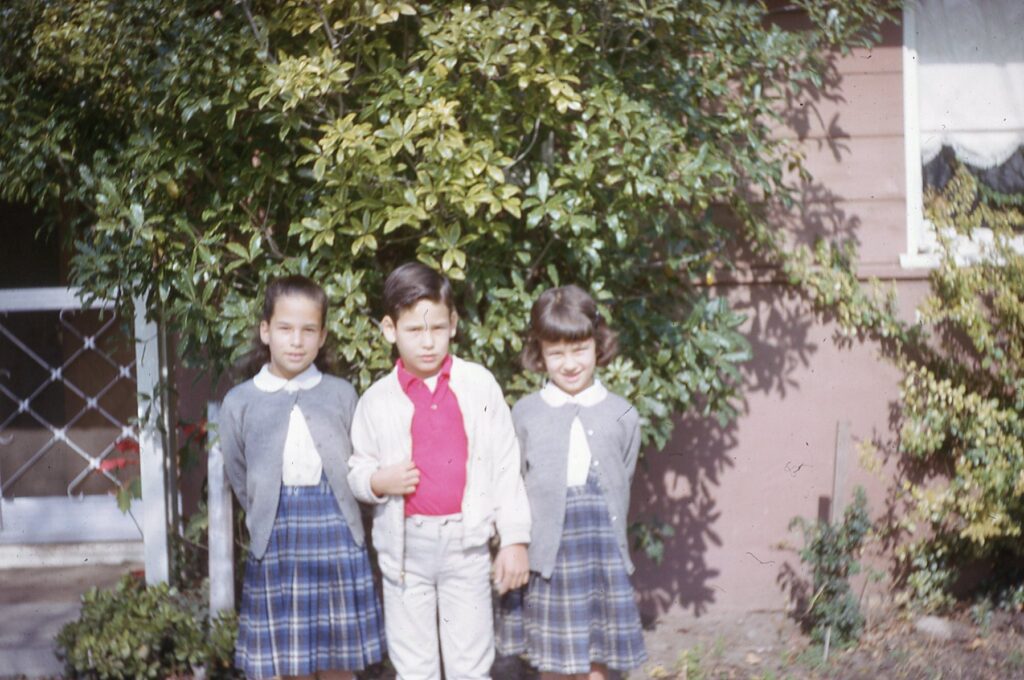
{"x": 731, "y": 492}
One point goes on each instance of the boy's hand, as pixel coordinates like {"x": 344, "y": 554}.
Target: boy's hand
{"x": 395, "y": 480}
{"x": 511, "y": 568}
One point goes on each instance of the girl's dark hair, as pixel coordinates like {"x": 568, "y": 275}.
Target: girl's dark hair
{"x": 569, "y": 314}
{"x": 285, "y": 286}
{"x": 294, "y": 285}
{"x": 414, "y": 281}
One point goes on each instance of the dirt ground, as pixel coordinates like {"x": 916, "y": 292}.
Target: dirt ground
{"x": 753, "y": 645}
{"x": 768, "y": 645}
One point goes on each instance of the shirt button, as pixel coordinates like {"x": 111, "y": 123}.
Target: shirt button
{"x": 590, "y": 432}
{"x": 613, "y": 518}
{"x": 596, "y": 463}
{"x": 433, "y": 407}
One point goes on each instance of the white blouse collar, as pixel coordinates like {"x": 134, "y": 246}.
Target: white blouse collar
{"x": 268, "y": 382}
{"x": 554, "y": 395}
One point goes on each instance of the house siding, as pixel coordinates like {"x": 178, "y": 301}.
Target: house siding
{"x": 731, "y": 493}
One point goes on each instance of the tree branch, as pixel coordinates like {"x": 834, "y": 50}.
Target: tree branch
{"x": 535, "y": 267}
{"x": 332, "y": 40}
{"x": 332, "y": 37}
{"x": 261, "y": 224}
{"x": 533, "y": 140}
{"x": 264, "y": 42}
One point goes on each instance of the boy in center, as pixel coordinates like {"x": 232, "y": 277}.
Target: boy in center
{"x": 435, "y": 450}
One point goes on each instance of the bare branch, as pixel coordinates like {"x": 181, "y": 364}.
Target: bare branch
{"x": 263, "y": 41}
{"x": 535, "y": 267}
{"x": 529, "y": 146}
{"x": 334, "y": 42}
{"x": 332, "y": 37}
{"x": 261, "y": 224}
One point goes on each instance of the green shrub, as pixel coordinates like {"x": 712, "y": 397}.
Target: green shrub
{"x": 831, "y": 551}
{"x": 220, "y": 657}
{"x": 961, "y": 401}
{"x": 630, "y": 147}
{"x": 138, "y": 631}
{"x": 961, "y": 434}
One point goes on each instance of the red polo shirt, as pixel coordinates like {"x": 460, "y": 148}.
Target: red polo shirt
{"x": 440, "y": 448}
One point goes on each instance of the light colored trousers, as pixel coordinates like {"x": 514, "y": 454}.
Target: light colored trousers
{"x": 446, "y": 596}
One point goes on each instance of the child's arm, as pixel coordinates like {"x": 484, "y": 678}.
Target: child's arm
{"x": 370, "y": 482}
{"x": 395, "y": 480}
{"x": 511, "y": 568}
{"x": 633, "y": 444}
{"x": 233, "y": 451}
{"x": 512, "y": 507}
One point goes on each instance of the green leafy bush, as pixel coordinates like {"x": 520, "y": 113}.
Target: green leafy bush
{"x": 138, "y": 631}
{"x": 516, "y": 145}
{"x": 649, "y": 536}
{"x": 220, "y": 654}
{"x": 962, "y": 399}
{"x": 961, "y": 429}
{"x": 832, "y": 552}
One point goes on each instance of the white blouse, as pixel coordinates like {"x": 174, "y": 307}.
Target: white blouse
{"x": 302, "y": 465}
{"x": 579, "y": 450}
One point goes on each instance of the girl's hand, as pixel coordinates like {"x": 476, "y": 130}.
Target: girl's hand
{"x": 511, "y": 568}
{"x": 395, "y": 480}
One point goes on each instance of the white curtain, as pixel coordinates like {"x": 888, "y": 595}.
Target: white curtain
{"x": 971, "y": 78}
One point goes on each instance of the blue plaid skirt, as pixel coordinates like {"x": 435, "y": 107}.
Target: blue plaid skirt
{"x": 586, "y": 612}
{"x": 310, "y": 604}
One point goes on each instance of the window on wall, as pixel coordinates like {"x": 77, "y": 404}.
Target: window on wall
{"x": 964, "y": 106}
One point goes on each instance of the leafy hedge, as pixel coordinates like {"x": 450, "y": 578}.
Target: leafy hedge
{"x": 135, "y": 631}
{"x": 192, "y": 150}
{"x": 961, "y": 432}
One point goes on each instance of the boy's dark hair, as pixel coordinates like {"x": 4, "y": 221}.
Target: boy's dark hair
{"x": 283, "y": 286}
{"x": 412, "y": 282}
{"x": 567, "y": 313}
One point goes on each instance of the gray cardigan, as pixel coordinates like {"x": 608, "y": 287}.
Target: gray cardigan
{"x": 253, "y": 426}
{"x": 613, "y": 435}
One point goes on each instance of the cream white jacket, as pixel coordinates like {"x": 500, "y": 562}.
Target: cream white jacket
{"x": 495, "y": 497}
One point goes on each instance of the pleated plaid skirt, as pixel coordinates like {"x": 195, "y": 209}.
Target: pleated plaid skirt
{"x": 310, "y": 604}
{"x": 585, "y": 613}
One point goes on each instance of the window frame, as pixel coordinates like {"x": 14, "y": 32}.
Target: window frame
{"x": 920, "y": 235}
{"x": 922, "y": 249}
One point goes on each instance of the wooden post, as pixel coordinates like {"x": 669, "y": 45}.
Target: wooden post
{"x": 221, "y": 540}
{"x": 839, "y": 474}
{"x": 152, "y": 464}
{"x": 168, "y": 430}
{"x": 840, "y": 470}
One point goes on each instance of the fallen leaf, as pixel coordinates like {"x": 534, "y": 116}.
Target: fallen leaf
{"x": 658, "y": 672}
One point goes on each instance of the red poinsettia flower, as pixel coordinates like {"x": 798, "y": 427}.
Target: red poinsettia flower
{"x": 197, "y": 428}
{"x": 108, "y": 464}
{"x": 127, "y": 445}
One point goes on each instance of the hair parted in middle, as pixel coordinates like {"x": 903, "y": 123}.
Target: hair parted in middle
{"x": 295, "y": 284}
{"x": 569, "y": 314}
{"x": 414, "y": 281}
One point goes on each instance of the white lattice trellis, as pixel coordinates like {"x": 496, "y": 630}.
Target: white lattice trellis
{"x": 76, "y": 518}
{"x": 61, "y": 433}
